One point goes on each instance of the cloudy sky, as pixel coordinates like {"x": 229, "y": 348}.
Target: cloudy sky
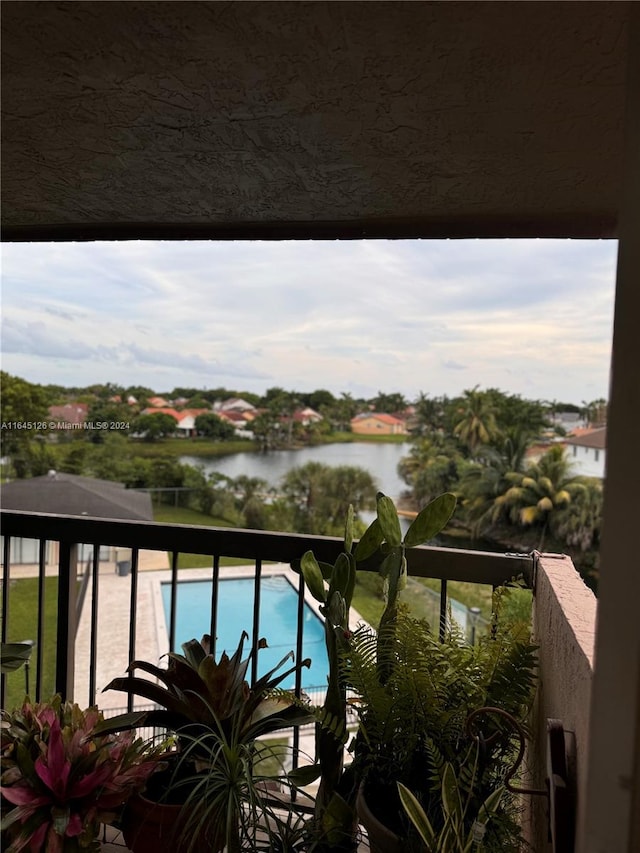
{"x": 532, "y": 317}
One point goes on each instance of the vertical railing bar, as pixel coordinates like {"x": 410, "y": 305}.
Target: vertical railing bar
{"x": 93, "y": 647}
{"x": 66, "y": 628}
{"x": 443, "y": 610}
{"x": 256, "y": 621}
{"x": 6, "y": 561}
{"x": 42, "y": 569}
{"x": 494, "y": 621}
{"x": 214, "y": 603}
{"x": 298, "y": 681}
{"x": 133, "y": 617}
{"x": 174, "y": 601}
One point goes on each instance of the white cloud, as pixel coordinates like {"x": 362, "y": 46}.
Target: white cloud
{"x": 532, "y": 317}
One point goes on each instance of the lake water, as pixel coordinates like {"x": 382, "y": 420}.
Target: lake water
{"x": 381, "y": 460}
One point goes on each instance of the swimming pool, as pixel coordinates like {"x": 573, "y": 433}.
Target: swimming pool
{"x": 278, "y": 621}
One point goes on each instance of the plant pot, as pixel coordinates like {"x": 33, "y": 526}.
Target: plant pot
{"x": 150, "y": 827}
{"x": 381, "y": 838}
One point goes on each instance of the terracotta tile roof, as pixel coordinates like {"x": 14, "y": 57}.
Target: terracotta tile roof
{"x": 71, "y": 413}
{"x": 596, "y": 438}
{"x": 164, "y": 410}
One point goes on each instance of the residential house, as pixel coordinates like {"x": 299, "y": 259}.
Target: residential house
{"x": 390, "y": 121}
{"x": 377, "y": 423}
{"x": 568, "y": 421}
{"x": 69, "y": 415}
{"x": 307, "y": 416}
{"x": 587, "y": 450}
{"x": 158, "y": 402}
{"x": 234, "y": 404}
{"x": 186, "y": 418}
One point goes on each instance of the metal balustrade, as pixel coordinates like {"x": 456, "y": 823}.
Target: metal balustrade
{"x": 64, "y": 533}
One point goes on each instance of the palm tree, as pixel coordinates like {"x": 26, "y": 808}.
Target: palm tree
{"x": 537, "y": 495}
{"x": 431, "y": 468}
{"x": 485, "y": 482}
{"x": 476, "y": 423}
{"x": 580, "y": 521}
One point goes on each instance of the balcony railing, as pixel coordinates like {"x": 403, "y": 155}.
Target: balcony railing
{"x": 60, "y": 536}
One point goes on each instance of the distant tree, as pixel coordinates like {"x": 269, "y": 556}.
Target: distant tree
{"x": 318, "y": 495}
{"x": 579, "y": 523}
{"x": 476, "y": 423}
{"x": 154, "y": 426}
{"x": 198, "y": 402}
{"x": 283, "y": 404}
{"x": 103, "y": 411}
{"x": 429, "y": 413}
{"x": 21, "y": 402}
{"x": 266, "y": 430}
{"x": 389, "y": 402}
{"x": 211, "y": 426}
{"x": 343, "y": 411}
{"x": 595, "y": 412}
{"x": 433, "y": 466}
{"x": 320, "y": 400}
{"x": 512, "y": 412}
{"x": 484, "y": 482}
{"x": 140, "y": 392}
{"x": 537, "y": 496}
{"x": 24, "y": 408}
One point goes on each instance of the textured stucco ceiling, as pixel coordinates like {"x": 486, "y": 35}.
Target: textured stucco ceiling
{"x": 301, "y": 119}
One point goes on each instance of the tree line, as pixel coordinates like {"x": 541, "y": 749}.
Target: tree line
{"x": 476, "y": 444}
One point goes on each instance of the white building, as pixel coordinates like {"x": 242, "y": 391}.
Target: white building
{"x": 587, "y": 452}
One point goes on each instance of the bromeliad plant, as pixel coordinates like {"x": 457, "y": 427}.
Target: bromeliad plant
{"x": 61, "y": 781}
{"x": 217, "y": 719}
{"x": 333, "y": 586}
{"x": 196, "y": 695}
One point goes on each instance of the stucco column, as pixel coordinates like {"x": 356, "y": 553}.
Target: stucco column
{"x": 610, "y": 822}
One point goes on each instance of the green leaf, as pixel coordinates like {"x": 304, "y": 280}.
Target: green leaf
{"x": 348, "y": 530}
{"x": 490, "y": 806}
{"x": 312, "y": 575}
{"x": 451, "y": 802}
{"x": 430, "y": 520}
{"x": 120, "y": 723}
{"x": 389, "y": 521}
{"x": 15, "y": 655}
{"x": 303, "y": 776}
{"x": 341, "y": 576}
{"x": 371, "y": 540}
{"x": 391, "y": 566}
{"x": 417, "y": 816}
{"x": 337, "y": 820}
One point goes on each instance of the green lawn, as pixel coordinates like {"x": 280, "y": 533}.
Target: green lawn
{"x": 23, "y": 625}
{"x": 204, "y": 447}
{"x": 182, "y": 515}
{"x": 351, "y": 437}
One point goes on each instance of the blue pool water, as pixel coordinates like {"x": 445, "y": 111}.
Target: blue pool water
{"x": 278, "y": 622}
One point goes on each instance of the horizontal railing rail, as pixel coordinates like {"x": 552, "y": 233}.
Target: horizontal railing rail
{"x": 485, "y": 567}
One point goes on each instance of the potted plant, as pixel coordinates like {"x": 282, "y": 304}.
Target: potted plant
{"x": 413, "y": 726}
{"x": 211, "y": 794}
{"x": 61, "y": 781}
{"x": 333, "y": 586}
{"x": 414, "y": 694}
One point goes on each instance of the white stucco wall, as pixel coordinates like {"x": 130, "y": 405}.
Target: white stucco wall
{"x": 587, "y": 461}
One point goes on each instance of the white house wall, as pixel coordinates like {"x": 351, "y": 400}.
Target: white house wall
{"x": 587, "y": 461}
